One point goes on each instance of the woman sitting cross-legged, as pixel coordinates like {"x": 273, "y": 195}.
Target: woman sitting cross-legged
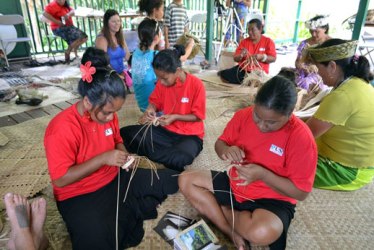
{"x": 255, "y": 47}
{"x": 85, "y": 152}
{"x": 272, "y": 157}
{"x": 175, "y": 115}
{"x": 343, "y": 125}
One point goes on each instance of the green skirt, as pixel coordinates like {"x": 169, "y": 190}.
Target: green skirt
{"x": 334, "y": 176}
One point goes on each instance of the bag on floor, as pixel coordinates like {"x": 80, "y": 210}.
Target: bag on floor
{"x": 128, "y": 79}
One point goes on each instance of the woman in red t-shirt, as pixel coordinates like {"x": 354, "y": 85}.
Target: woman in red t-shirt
{"x": 261, "y": 48}
{"x": 176, "y": 109}
{"x": 273, "y": 157}
{"x": 84, "y": 152}
{"x": 59, "y": 13}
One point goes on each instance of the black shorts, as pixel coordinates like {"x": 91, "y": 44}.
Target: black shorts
{"x": 91, "y": 218}
{"x": 233, "y": 75}
{"x": 283, "y": 209}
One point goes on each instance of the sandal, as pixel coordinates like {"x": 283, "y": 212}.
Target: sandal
{"x": 205, "y": 64}
{"x": 31, "y": 101}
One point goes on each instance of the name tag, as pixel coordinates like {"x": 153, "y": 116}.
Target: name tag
{"x": 108, "y": 132}
{"x": 261, "y": 49}
{"x": 276, "y": 150}
{"x": 185, "y": 100}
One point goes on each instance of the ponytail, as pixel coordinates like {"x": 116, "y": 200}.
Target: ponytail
{"x": 359, "y": 67}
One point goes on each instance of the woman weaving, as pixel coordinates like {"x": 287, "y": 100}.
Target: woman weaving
{"x": 307, "y": 73}
{"x": 257, "y": 46}
{"x": 344, "y": 123}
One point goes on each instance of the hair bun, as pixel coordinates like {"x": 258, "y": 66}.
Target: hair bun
{"x": 97, "y": 57}
{"x": 179, "y": 50}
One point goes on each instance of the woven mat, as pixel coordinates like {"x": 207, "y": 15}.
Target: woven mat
{"x": 325, "y": 220}
{"x": 211, "y": 77}
{"x": 23, "y": 166}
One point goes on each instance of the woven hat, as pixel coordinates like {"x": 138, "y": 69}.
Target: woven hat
{"x": 333, "y": 53}
{"x": 183, "y": 40}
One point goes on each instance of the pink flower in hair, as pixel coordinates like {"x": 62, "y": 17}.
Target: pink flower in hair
{"x": 87, "y": 71}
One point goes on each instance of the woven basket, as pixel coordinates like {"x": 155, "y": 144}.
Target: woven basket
{"x": 183, "y": 40}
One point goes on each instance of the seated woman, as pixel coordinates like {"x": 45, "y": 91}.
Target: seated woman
{"x": 144, "y": 77}
{"x": 257, "y": 46}
{"x": 306, "y": 73}
{"x": 60, "y": 14}
{"x": 177, "y": 110}
{"x": 112, "y": 41}
{"x": 343, "y": 125}
{"x": 84, "y": 152}
{"x": 265, "y": 145}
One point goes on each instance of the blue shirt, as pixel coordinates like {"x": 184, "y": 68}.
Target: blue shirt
{"x": 143, "y": 76}
{"x": 116, "y": 57}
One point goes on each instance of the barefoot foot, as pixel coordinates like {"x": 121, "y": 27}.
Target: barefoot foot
{"x": 38, "y": 216}
{"x": 18, "y": 211}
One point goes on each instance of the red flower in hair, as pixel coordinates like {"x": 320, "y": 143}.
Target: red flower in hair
{"x": 87, "y": 71}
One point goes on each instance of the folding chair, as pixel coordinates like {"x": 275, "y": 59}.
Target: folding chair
{"x": 366, "y": 46}
{"x": 198, "y": 25}
{"x": 51, "y": 38}
{"x": 366, "y": 39}
{"x": 197, "y": 28}
{"x": 4, "y": 43}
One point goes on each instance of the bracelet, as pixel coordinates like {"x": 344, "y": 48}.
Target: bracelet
{"x": 264, "y": 58}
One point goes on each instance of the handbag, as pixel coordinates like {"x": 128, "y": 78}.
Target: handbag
{"x": 183, "y": 40}
{"x": 128, "y": 79}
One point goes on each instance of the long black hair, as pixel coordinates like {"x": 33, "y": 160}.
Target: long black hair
{"x": 357, "y": 66}
{"x": 147, "y": 31}
{"x": 278, "y": 94}
{"x": 168, "y": 60}
{"x": 106, "y": 83}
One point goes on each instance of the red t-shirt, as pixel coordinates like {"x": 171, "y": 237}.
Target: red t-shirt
{"x": 290, "y": 152}
{"x": 182, "y": 98}
{"x": 71, "y": 139}
{"x": 57, "y": 11}
{"x": 264, "y": 46}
